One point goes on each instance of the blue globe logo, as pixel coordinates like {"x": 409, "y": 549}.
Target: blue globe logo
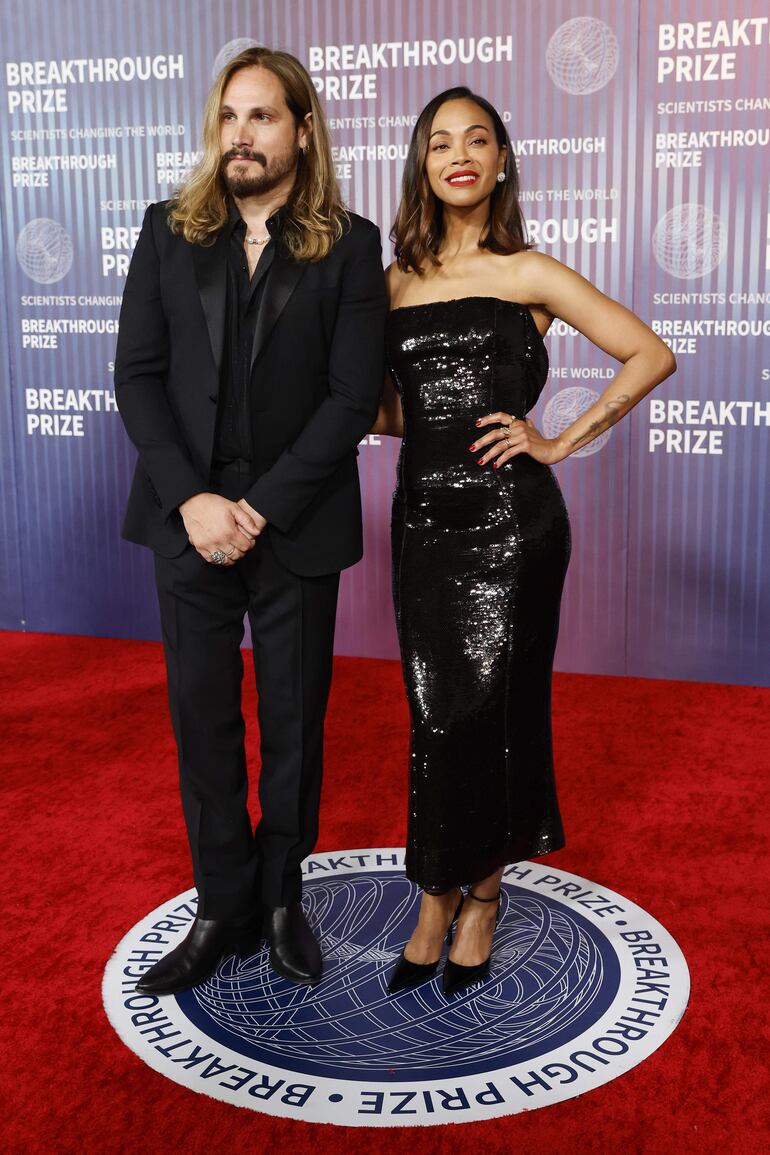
{"x": 689, "y": 241}
{"x": 553, "y": 975}
{"x": 582, "y": 55}
{"x": 565, "y": 1009}
{"x": 44, "y": 250}
{"x": 563, "y": 410}
{"x": 232, "y": 49}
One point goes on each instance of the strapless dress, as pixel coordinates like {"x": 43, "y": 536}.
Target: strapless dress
{"x": 479, "y": 560}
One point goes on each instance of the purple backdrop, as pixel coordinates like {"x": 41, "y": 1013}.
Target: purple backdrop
{"x": 11, "y": 601}
{"x": 640, "y": 130}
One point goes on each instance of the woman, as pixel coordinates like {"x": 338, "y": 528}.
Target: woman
{"x": 480, "y": 530}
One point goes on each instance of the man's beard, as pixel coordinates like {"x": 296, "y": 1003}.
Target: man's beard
{"x": 243, "y": 183}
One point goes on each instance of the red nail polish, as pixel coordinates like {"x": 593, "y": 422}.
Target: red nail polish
{"x": 497, "y": 465}
{"x": 472, "y": 447}
{"x": 480, "y": 461}
{"x": 479, "y": 421}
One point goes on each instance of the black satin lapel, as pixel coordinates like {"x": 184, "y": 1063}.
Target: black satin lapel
{"x": 282, "y": 279}
{"x": 210, "y": 263}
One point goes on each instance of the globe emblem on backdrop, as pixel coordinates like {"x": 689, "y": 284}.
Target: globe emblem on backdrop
{"x": 564, "y": 408}
{"x": 44, "y": 250}
{"x": 232, "y": 49}
{"x": 550, "y": 974}
{"x": 582, "y": 55}
{"x": 689, "y": 241}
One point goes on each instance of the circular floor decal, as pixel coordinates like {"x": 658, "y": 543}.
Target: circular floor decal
{"x": 584, "y": 985}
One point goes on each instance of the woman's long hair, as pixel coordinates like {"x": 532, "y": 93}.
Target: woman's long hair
{"x": 314, "y": 217}
{"x": 418, "y": 230}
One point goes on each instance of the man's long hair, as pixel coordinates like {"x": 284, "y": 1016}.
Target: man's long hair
{"x": 314, "y": 216}
{"x": 419, "y": 226}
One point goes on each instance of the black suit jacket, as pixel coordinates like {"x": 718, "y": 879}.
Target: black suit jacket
{"x": 318, "y": 365}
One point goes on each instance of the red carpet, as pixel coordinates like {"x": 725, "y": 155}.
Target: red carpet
{"x": 664, "y": 789}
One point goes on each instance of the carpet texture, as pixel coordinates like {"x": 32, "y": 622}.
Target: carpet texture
{"x": 664, "y": 791}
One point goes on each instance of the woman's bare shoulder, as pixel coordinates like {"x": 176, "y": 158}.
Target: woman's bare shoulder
{"x": 397, "y": 281}
{"x": 532, "y": 264}
{"x": 537, "y": 277}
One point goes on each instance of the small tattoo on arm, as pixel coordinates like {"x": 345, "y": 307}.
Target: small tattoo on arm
{"x": 613, "y": 413}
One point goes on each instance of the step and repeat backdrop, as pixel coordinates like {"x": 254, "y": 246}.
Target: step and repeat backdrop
{"x": 641, "y": 131}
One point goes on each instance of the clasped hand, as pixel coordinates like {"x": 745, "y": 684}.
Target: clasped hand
{"x": 511, "y": 437}
{"x": 221, "y": 529}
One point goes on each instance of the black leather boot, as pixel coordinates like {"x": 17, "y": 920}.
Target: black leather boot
{"x": 197, "y": 957}
{"x": 294, "y": 951}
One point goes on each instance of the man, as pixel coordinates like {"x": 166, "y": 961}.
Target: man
{"x": 248, "y": 368}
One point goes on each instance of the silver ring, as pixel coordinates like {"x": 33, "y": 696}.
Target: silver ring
{"x": 229, "y": 552}
{"x": 219, "y": 557}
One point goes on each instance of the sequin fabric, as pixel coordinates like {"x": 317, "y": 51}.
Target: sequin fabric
{"x": 479, "y": 559}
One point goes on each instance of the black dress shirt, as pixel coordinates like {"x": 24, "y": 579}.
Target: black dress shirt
{"x": 244, "y": 295}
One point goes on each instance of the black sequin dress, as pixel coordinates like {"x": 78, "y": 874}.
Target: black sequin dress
{"x": 479, "y": 558}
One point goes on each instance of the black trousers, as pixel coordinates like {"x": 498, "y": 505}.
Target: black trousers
{"x": 292, "y": 620}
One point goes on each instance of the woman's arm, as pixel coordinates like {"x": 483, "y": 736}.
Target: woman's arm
{"x": 646, "y": 361}
{"x": 390, "y": 417}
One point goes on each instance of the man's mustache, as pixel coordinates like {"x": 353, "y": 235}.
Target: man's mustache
{"x": 244, "y": 154}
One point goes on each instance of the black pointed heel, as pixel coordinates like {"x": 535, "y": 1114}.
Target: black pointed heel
{"x": 407, "y": 974}
{"x": 457, "y": 977}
